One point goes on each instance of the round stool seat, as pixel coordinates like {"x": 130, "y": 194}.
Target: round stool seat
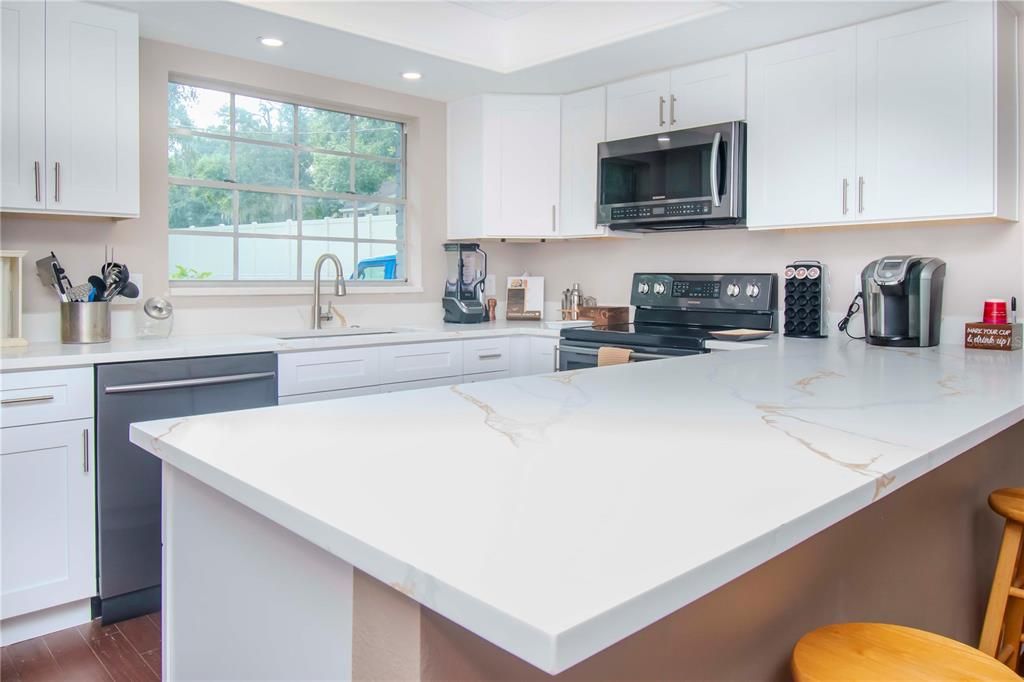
{"x": 1008, "y": 502}
{"x": 877, "y": 651}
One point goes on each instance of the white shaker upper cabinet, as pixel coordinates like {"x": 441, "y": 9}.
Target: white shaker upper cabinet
{"x": 639, "y": 106}
{"x": 23, "y": 138}
{"x": 503, "y": 166}
{"x": 801, "y": 131}
{"x": 709, "y": 92}
{"x": 583, "y": 116}
{"x": 92, "y": 110}
{"x": 925, "y": 113}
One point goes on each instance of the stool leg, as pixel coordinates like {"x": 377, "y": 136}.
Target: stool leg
{"x": 1013, "y": 620}
{"x": 991, "y": 628}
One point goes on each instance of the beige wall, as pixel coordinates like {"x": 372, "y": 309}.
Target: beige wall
{"x": 142, "y": 243}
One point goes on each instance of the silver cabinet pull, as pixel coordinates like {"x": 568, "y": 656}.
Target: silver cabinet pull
{"x": 56, "y": 181}
{"x": 553, "y": 228}
{"x": 846, "y": 189}
{"x": 715, "y": 144}
{"x": 27, "y": 399}
{"x": 672, "y": 110}
{"x": 661, "y": 111}
{"x": 860, "y": 194}
{"x": 188, "y": 383}
{"x": 489, "y": 356}
{"x": 39, "y": 189}
{"x": 85, "y": 451}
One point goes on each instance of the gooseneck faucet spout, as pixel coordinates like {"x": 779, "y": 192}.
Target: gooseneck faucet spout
{"x": 319, "y": 316}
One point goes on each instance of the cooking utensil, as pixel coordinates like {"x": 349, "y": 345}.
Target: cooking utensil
{"x": 129, "y": 290}
{"x": 80, "y": 293}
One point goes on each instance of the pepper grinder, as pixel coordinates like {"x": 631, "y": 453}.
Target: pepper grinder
{"x": 492, "y": 304}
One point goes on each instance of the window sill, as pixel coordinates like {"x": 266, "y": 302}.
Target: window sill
{"x": 187, "y": 291}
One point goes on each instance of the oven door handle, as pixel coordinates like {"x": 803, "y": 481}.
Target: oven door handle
{"x": 716, "y": 199}
{"x": 634, "y": 354}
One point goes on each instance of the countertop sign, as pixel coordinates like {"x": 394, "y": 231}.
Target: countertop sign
{"x": 993, "y": 336}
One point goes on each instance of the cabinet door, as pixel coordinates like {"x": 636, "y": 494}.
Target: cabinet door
{"x": 583, "y": 116}
{"x": 709, "y": 92}
{"x": 92, "y": 109}
{"x": 542, "y": 355}
{"x": 638, "y": 106}
{"x": 925, "y": 112}
{"x": 48, "y": 520}
{"x": 800, "y": 131}
{"x": 521, "y": 164}
{"x": 22, "y": 78}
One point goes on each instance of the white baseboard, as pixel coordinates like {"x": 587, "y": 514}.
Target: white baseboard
{"x": 38, "y": 623}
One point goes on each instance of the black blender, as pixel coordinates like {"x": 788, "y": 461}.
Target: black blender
{"x": 464, "y": 284}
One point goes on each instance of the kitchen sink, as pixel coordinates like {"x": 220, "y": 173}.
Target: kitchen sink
{"x": 328, "y": 333}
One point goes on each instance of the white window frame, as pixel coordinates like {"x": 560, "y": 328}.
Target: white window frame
{"x": 189, "y": 288}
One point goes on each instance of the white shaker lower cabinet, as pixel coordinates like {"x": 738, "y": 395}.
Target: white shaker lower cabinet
{"x": 926, "y": 111}
{"x": 321, "y": 371}
{"x": 47, "y": 500}
{"x": 801, "y": 131}
{"x": 542, "y": 355}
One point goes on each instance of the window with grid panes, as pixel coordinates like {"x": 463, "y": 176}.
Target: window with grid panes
{"x": 259, "y": 188}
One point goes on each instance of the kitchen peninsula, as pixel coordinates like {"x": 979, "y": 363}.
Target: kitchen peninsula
{"x": 680, "y": 518}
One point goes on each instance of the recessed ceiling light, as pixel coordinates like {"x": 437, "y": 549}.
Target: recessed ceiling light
{"x": 272, "y": 42}
{"x": 412, "y": 75}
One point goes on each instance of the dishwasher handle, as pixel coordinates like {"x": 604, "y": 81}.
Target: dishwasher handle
{"x": 188, "y": 383}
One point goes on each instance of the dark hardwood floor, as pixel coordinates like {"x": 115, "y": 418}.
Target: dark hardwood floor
{"x": 128, "y": 651}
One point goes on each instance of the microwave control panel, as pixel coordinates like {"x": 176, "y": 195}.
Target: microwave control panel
{"x": 683, "y": 209}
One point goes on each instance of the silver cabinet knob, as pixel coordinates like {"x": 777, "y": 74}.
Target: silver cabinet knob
{"x": 753, "y": 290}
{"x": 733, "y": 289}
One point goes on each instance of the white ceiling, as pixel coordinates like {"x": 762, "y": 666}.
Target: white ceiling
{"x": 469, "y": 47}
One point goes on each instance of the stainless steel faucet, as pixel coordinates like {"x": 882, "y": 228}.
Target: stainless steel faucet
{"x": 319, "y": 317}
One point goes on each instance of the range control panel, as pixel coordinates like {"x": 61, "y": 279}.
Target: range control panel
{"x": 754, "y": 292}
{"x": 683, "y": 209}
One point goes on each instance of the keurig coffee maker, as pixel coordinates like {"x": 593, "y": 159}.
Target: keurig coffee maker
{"x": 464, "y": 283}
{"x": 903, "y": 300}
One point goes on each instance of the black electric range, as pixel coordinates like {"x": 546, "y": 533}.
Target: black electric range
{"x": 675, "y": 315}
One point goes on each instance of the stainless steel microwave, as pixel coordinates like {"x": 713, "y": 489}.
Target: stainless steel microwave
{"x": 686, "y": 179}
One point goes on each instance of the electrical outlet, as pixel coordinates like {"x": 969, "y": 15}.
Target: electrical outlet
{"x": 490, "y": 285}
{"x": 856, "y": 283}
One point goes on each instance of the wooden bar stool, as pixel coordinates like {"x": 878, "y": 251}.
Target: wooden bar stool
{"x": 1004, "y": 617}
{"x": 869, "y": 652}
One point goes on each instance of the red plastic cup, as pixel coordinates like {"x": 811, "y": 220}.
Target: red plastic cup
{"x": 995, "y": 311}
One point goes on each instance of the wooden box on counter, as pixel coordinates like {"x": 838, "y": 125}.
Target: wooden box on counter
{"x": 604, "y": 315}
{"x": 993, "y": 336}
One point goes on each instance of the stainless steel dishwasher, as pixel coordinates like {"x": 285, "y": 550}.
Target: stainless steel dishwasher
{"x": 128, "y": 478}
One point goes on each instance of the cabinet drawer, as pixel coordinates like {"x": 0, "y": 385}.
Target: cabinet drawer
{"x": 327, "y": 370}
{"x": 485, "y": 355}
{"x": 420, "y": 361}
{"x": 45, "y": 396}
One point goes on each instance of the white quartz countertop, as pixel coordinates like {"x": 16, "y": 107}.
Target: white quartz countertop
{"x": 555, "y": 515}
{"x": 53, "y": 355}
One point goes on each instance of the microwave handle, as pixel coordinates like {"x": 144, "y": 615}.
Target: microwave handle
{"x": 715, "y": 198}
